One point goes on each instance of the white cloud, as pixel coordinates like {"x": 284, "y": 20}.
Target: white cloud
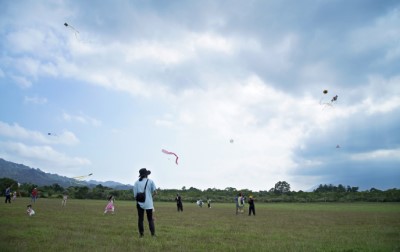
{"x": 221, "y": 75}
{"x": 81, "y": 118}
{"x": 21, "y": 81}
{"x": 44, "y": 157}
{"x": 377, "y": 155}
{"x": 17, "y": 132}
{"x": 35, "y": 100}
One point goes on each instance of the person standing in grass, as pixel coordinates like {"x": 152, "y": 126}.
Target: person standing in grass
{"x": 179, "y": 204}
{"x": 34, "y": 195}
{"x": 208, "y": 202}
{"x": 251, "y": 206}
{"x": 64, "y": 201}
{"x": 146, "y": 185}
{"x": 8, "y": 195}
{"x": 239, "y": 203}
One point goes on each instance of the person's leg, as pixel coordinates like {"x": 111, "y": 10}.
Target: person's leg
{"x": 140, "y": 219}
{"x": 149, "y": 213}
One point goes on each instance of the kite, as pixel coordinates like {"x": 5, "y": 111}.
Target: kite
{"x": 76, "y": 32}
{"x": 327, "y": 103}
{"x": 337, "y": 146}
{"x": 82, "y": 177}
{"x": 51, "y": 134}
{"x": 171, "y": 153}
{"x": 231, "y": 141}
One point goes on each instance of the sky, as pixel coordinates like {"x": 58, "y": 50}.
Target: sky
{"x": 234, "y": 88}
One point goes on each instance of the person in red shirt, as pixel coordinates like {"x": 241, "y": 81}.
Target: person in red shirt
{"x": 34, "y": 195}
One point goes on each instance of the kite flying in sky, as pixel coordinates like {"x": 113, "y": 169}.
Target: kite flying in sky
{"x": 82, "y": 177}
{"x": 171, "y": 153}
{"x": 326, "y": 102}
{"x": 73, "y": 29}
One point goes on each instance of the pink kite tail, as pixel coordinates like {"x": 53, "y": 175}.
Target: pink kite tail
{"x": 171, "y": 153}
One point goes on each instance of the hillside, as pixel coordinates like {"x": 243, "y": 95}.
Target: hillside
{"x": 26, "y": 174}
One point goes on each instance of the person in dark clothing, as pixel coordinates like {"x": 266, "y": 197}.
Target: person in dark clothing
{"x": 251, "y": 206}
{"x": 8, "y": 195}
{"x": 179, "y": 204}
{"x": 147, "y": 186}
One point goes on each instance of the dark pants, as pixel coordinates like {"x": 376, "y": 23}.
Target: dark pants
{"x": 180, "y": 207}
{"x": 252, "y": 210}
{"x": 8, "y": 198}
{"x": 149, "y": 213}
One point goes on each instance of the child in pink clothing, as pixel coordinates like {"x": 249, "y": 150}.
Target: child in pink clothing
{"x": 110, "y": 205}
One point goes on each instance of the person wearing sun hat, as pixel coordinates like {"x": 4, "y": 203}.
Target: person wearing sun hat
{"x": 251, "y": 206}
{"x": 146, "y": 185}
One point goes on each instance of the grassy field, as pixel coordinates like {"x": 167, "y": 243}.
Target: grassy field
{"x": 82, "y": 226}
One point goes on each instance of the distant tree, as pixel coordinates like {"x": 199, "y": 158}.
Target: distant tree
{"x": 82, "y": 192}
{"x": 57, "y": 188}
{"x": 341, "y": 188}
{"x": 6, "y": 182}
{"x": 282, "y": 187}
{"x": 230, "y": 189}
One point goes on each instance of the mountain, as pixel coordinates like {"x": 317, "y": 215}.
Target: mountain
{"x": 26, "y": 174}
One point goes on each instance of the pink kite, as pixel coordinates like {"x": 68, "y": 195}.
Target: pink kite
{"x": 171, "y": 153}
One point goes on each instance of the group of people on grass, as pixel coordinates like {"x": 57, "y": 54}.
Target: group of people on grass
{"x": 144, "y": 189}
{"x": 240, "y": 200}
{"x": 29, "y": 209}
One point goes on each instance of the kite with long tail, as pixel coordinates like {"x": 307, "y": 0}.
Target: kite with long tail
{"x": 82, "y": 177}
{"x": 171, "y": 153}
{"x": 73, "y": 29}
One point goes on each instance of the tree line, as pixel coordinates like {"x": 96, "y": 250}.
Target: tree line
{"x": 279, "y": 193}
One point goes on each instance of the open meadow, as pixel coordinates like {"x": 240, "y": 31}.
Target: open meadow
{"x": 82, "y": 226}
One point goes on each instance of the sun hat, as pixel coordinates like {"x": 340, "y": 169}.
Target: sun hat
{"x": 144, "y": 172}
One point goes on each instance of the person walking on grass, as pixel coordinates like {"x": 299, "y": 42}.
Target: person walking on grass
{"x": 251, "y": 206}
{"x": 110, "y": 205}
{"x": 179, "y": 204}
{"x": 148, "y": 187}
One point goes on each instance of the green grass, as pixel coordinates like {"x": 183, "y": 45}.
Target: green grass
{"x": 81, "y": 226}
